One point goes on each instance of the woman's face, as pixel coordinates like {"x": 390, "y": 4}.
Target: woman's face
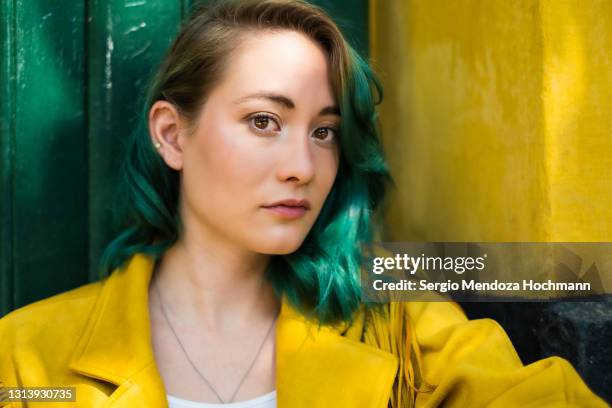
{"x": 267, "y": 133}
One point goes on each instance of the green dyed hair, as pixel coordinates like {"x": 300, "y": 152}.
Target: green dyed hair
{"x": 322, "y": 278}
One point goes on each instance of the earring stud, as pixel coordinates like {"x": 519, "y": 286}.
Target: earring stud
{"x": 157, "y": 145}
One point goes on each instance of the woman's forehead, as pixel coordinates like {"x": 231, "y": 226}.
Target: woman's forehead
{"x": 282, "y": 62}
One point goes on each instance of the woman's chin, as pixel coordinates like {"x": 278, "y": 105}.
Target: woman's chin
{"x": 278, "y": 247}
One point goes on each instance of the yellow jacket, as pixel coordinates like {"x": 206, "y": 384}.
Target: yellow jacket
{"x": 97, "y": 338}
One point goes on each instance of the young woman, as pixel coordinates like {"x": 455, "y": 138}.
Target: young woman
{"x": 248, "y": 196}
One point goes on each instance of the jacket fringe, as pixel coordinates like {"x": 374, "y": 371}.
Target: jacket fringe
{"x": 393, "y": 332}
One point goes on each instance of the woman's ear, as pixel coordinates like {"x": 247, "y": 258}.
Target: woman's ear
{"x": 165, "y": 128}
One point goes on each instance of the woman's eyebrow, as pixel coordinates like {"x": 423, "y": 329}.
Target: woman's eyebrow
{"x": 330, "y": 110}
{"x": 286, "y": 102}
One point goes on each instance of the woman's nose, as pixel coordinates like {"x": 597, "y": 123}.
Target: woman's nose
{"x": 296, "y": 162}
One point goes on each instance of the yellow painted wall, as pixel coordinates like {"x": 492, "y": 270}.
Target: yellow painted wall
{"x": 496, "y": 118}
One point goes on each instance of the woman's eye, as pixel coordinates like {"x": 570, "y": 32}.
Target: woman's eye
{"x": 327, "y": 134}
{"x": 264, "y": 123}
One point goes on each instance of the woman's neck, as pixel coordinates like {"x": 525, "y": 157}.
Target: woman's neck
{"x": 216, "y": 287}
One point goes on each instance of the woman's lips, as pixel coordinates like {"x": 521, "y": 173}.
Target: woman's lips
{"x": 285, "y": 211}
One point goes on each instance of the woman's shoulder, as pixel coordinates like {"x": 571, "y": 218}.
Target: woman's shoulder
{"x": 37, "y": 341}
{"x": 453, "y": 359}
{"x": 424, "y": 318}
{"x": 46, "y": 318}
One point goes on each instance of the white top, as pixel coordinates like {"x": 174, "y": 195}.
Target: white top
{"x": 263, "y": 401}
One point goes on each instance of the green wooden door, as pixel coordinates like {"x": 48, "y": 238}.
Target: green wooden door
{"x": 71, "y": 76}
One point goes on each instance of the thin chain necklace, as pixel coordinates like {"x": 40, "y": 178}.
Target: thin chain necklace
{"x": 163, "y": 309}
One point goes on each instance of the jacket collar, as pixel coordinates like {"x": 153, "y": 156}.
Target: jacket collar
{"x": 315, "y": 367}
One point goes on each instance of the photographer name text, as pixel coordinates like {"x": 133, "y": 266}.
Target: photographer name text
{"x": 472, "y": 285}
